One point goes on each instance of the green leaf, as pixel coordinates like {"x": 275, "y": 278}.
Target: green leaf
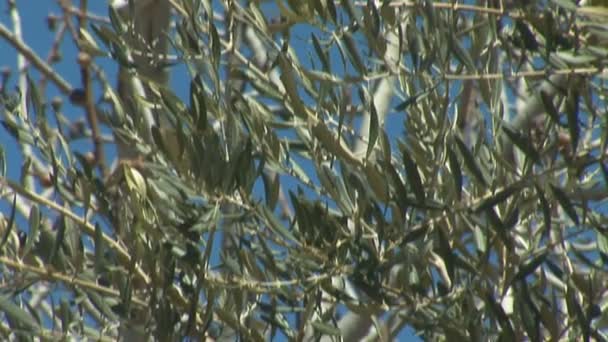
{"x": 335, "y": 186}
{"x": 601, "y": 241}
{"x": 18, "y": 315}
{"x": 22, "y": 135}
{"x": 216, "y": 46}
{"x": 550, "y": 107}
{"x": 455, "y": 171}
{"x": 353, "y": 53}
{"x": 530, "y": 314}
{"x": 36, "y": 100}
{"x": 564, "y": 201}
{"x": 498, "y": 197}
{"x": 395, "y": 179}
{"x": 480, "y": 239}
{"x": 116, "y": 20}
{"x": 576, "y": 311}
{"x": 499, "y": 226}
{"x": 371, "y": 20}
{"x": 575, "y": 59}
{"x": 291, "y": 89}
{"x": 59, "y": 237}
{"x": 469, "y": 162}
{"x": 321, "y": 54}
{"x": 34, "y": 229}
{"x": 274, "y": 224}
{"x": 108, "y": 37}
{"x": 572, "y": 111}
{"x": 385, "y": 146}
{"x": 333, "y": 13}
{"x": 2, "y": 162}
{"x": 501, "y": 317}
{"x": 99, "y": 249}
{"x": 272, "y": 187}
{"x": 102, "y": 304}
{"x": 326, "y": 329}
{"x": 373, "y": 129}
{"x": 65, "y": 314}
{"x": 461, "y": 53}
{"x": 529, "y": 267}
{"x": 413, "y": 176}
{"x": 545, "y": 209}
{"x": 172, "y": 101}
{"x": 198, "y": 106}
{"x": 262, "y": 85}
{"x": 11, "y": 223}
{"x": 523, "y": 143}
{"x": 419, "y": 96}
{"x": 408, "y": 102}
{"x": 415, "y": 234}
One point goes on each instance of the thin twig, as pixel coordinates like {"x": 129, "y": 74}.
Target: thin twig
{"x": 88, "y": 15}
{"x": 53, "y": 53}
{"x": 84, "y": 59}
{"x": 86, "y": 226}
{"x": 36, "y": 61}
{"x": 452, "y": 6}
{"x": 524, "y": 74}
{"x": 49, "y": 274}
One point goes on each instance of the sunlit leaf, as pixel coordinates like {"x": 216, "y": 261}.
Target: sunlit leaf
{"x": 325, "y": 328}
{"x": 18, "y": 315}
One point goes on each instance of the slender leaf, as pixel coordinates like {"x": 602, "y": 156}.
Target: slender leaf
{"x": 34, "y": 229}
{"x": 572, "y": 112}
{"x": 455, "y": 172}
{"x": 10, "y": 224}
{"x": 326, "y": 329}
{"x": 498, "y": 197}
{"x": 550, "y": 107}
{"x": 373, "y": 129}
{"x": 413, "y": 176}
{"x": 18, "y": 315}
{"x": 523, "y": 143}
{"x": 469, "y": 162}
{"x": 566, "y": 204}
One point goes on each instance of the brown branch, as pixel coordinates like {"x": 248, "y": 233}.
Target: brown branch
{"x": 84, "y": 59}
{"x": 54, "y": 53}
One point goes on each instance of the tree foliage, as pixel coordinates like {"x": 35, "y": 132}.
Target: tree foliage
{"x": 332, "y": 169}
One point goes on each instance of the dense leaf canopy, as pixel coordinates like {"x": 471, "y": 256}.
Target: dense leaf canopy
{"x": 325, "y": 169}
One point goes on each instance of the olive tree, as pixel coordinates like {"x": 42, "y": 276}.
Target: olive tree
{"x": 315, "y": 169}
